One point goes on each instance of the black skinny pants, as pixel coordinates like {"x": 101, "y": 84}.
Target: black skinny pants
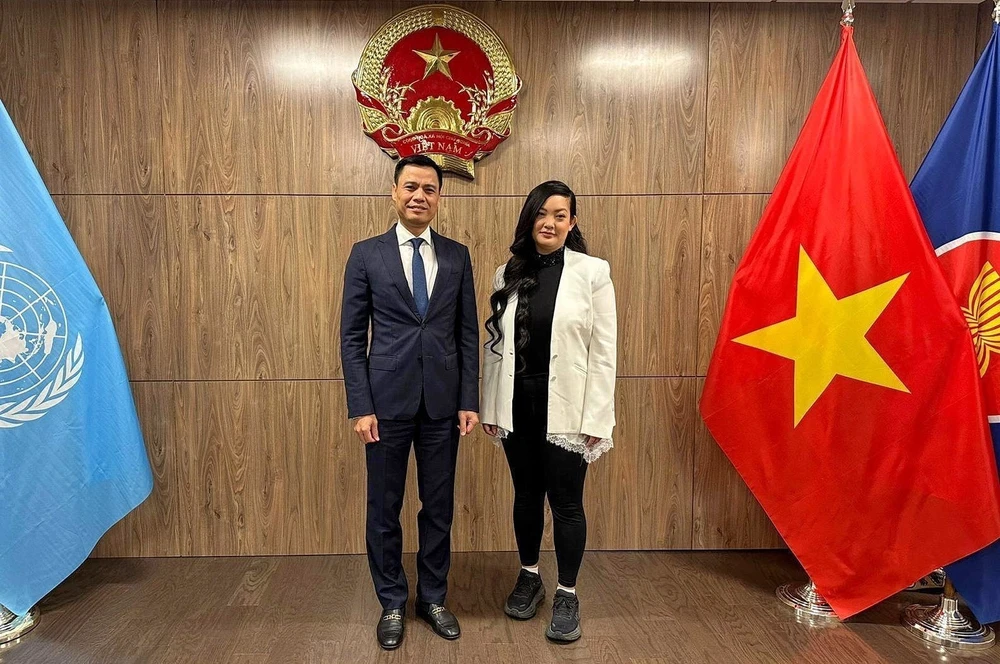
{"x": 539, "y": 468}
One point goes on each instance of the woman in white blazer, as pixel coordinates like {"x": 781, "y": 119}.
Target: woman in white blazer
{"x": 549, "y": 389}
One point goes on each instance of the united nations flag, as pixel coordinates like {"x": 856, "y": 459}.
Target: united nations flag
{"x": 72, "y": 458}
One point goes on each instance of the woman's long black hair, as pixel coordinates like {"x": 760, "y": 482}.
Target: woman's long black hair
{"x": 521, "y": 274}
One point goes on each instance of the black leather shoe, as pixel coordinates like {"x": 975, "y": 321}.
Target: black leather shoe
{"x": 390, "y": 629}
{"x": 443, "y": 621}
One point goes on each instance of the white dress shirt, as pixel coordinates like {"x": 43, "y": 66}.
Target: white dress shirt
{"x": 426, "y": 252}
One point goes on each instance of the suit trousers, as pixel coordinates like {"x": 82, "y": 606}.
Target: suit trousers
{"x": 435, "y": 445}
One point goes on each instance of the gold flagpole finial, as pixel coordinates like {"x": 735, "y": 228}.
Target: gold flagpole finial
{"x": 848, "y": 6}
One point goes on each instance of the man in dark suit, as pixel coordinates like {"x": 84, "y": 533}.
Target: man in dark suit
{"x": 418, "y": 382}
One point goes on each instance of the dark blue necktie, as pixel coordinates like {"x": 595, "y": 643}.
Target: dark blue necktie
{"x": 419, "y": 278}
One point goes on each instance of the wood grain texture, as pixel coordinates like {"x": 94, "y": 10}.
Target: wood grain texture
{"x": 725, "y": 513}
{"x": 768, "y": 61}
{"x": 80, "y": 81}
{"x": 638, "y": 495}
{"x": 613, "y": 101}
{"x": 918, "y": 77}
{"x": 257, "y": 97}
{"x": 266, "y": 466}
{"x": 248, "y": 287}
{"x": 224, "y": 288}
{"x": 728, "y": 223}
{"x": 984, "y": 26}
{"x": 133, "y": 256}
{"x": 225, "y": 292}
{"x": 663, "y": 608}
{"x": 252, "y": 467}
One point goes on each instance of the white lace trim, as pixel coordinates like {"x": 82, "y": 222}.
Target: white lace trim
{"x": 501, "y": 434}
{"x": 577, "y": 443}
{"x": 572, "y": 442}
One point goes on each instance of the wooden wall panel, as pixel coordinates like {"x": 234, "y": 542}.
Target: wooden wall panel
{"x": 274, "y": 468}
{"x": 727, "y": 225}
{"x": 80, "y": 81}
{"x": 614, "y": 98}
{"x": 672, "y": 121}
{"x": 639, "y": 494}
{"x": 984, "y": 26}
{"x": 725, "y": 513}
{"x": 768, "y": 61}
{"x": 652, "y": 243}
{"x": 127, "y": 244}
{"x": 918, "y": 59}
{"x": 220, "y": 288}
{"x": 245, "y": 287}
{"x": 257, "y": 97}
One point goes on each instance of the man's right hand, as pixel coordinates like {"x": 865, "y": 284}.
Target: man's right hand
{"x": 366, "y": 427}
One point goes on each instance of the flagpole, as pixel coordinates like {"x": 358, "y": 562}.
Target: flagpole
{"x": 809, "y": 605}
{"x": 13, "y": 627}
{"x": 945, "y": 625}
{"x": 847, "y": 6}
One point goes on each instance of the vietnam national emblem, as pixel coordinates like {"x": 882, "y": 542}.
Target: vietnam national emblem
{"x": 40, "y": 361}
{"x": 436, "y": 80}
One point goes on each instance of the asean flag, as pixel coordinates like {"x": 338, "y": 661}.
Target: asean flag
{"x": 957, "y": 191}
{"x": 844, "y": 385}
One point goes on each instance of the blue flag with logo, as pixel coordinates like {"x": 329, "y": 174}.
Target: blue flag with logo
{"x": 72, "y": 458}
{"x": 957, "y": 190}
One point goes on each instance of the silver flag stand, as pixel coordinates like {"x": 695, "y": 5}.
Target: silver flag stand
{"x": 808, "y": 603}
{"x": 13, "y": 627}
{"x": 945, "y": 625}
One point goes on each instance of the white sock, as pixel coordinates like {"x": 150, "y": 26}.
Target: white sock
{"x": 569, "y": 590}
{"x": 533, "y": 570}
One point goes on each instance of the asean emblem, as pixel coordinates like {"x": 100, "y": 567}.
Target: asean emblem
{"x": 970, "y": 266}
{"x": 38, "y": 364}
{"x": 982, "y": 314}
{"x": 436, "y": 80}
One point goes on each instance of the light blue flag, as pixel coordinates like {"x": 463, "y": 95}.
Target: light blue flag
{"x": 72, "y": 458}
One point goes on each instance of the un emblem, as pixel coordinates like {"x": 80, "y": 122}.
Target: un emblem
{"x": 38, "y": 364}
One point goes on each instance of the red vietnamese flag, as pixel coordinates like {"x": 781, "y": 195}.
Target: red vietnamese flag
{"x": 843, "y": 385}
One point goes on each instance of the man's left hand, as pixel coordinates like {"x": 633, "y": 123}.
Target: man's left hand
{"x": 467, "y": 421}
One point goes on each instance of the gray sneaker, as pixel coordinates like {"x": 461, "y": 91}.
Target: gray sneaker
{"x": 523, "y": 601}
{"x": 565, "y": 626}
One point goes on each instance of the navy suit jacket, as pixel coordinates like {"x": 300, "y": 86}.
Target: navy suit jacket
{"x": 436, "y": 357}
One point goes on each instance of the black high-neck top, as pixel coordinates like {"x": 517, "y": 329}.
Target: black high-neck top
{"x": 534, "y": 360}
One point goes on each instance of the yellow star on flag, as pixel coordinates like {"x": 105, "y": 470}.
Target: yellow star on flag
{"x": 437, "y": 58}
{"x": 826, "y": 337}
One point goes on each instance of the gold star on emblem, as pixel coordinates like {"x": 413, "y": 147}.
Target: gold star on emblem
{"x": 437, "y": 58}
{"x": 826, "y": 338}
